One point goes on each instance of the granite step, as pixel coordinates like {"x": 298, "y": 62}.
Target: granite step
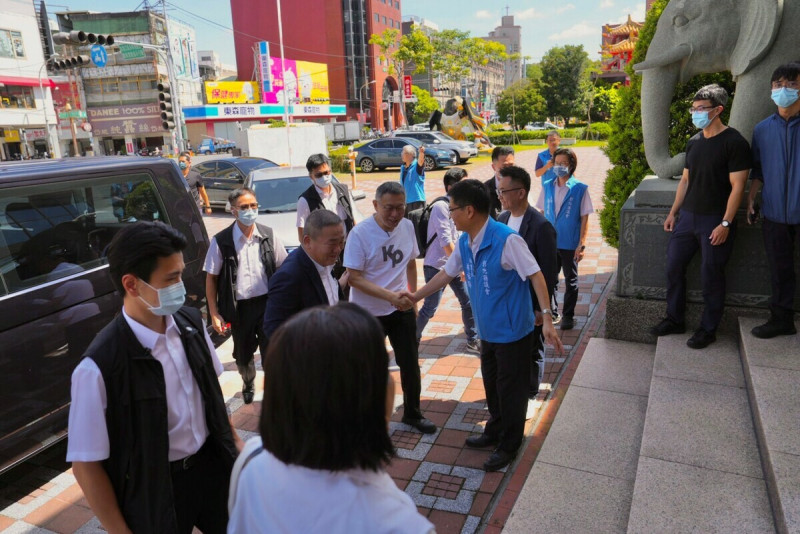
{"x": 583, "y": 477}
{"x": 772, "y": 372}
{"x": 699, "y": 467}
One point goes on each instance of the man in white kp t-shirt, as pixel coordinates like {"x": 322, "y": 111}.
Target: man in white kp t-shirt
{"x": 379, "y": 255}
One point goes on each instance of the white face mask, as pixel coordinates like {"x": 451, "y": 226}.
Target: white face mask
{"x": 170, "y": 298}
{"x": 323, "y": 181}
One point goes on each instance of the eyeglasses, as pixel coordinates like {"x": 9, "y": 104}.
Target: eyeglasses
{"x": 788, "y": 85}
{"x": 457, "y": 208}
{"x": 248, "y": 207}
{"x": 701, "y": 109}
{"x": 321, "y": 174}
{"x": 501, "y": 192}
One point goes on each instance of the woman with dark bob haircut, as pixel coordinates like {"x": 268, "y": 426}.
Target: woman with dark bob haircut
{"x": 318, "y": 465}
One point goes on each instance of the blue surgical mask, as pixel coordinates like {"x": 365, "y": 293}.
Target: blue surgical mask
{"x": 560, "y": 170}
{"x": 170, "y": 298}
{"x": 700, "y": 119}
{"x": 784, "y": 97}
{"x": 182, "y": 165}
{"x": 323, "y": 181}
{"x": 247, "y": 217}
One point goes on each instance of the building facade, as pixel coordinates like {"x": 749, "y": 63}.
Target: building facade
{"x": 335, "y": 32}
{"x": 510, "y": 36}
{"x": 121, "y": 99}
{"x": 27, "y": 119}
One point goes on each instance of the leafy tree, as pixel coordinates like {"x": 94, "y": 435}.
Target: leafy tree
{"x": 562, "y": 73}
{"x": 625, "y": 148}
{"x": 605, "y": 100}
{"x": 421, "y": 110}
{"x": 450, "y": 58}
{"x": 413, "y": 49}
{"x": 522, "y": 103}
{"x": 533, "y": 72}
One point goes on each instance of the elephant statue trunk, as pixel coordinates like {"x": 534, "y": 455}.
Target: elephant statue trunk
{"x": 659, "y": 77}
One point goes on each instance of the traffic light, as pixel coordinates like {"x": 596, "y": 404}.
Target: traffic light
{"x": 82, "y": 38}
{"x": 165, "y": 104}
{"x": 70, "y": 62}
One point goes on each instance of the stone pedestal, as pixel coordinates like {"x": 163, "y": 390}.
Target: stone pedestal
{"x": 641, "y": 272}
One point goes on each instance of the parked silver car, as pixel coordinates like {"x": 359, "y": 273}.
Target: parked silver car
{"x": 463, "y": 150}
{"x": 277, "y": 190}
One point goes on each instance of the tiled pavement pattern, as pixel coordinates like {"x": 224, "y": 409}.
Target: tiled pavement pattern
{"x": 444, "y": 478}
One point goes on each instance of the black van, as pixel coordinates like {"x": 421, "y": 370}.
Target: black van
{"x": 57, "y": 218}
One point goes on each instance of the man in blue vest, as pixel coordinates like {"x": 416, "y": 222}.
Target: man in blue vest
{"x": 412, "y": 176}
{"x": 566, "y": 204}
{"x": 498, "y": 269}
{"x": 774, "y": 138}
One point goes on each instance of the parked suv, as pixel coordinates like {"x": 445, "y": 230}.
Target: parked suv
{"x": 57, "y": 218}
{"x": 387, "y": 152}
{"x": 463, "y": 150}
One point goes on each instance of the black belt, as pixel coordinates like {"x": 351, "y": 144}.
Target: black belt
{"x": 184, "y": 464}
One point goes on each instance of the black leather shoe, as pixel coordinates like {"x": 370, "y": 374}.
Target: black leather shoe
{"x": 567, "y": 322}
{"x": 701, "y": 339}
{"x": 248, "y": 393}
{"x": 423, "y": 425}
{"x": 667, "y": 327}
{"x": 481, "y": 440}
{"x": 774, "y": 327}
{"x": 498, "y": 460}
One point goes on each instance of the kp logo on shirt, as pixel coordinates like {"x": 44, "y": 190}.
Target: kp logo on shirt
{"x": 391, "y": 254}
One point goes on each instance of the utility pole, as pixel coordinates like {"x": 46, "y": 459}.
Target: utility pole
{"x": 173, "y": 82}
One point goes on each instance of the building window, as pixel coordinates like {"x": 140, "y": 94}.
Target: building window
{"x": 17, "y": 96}
{"x": 384, "y": 19}
{"x": 377, "y": 18}
{"x": 11, "y": 44}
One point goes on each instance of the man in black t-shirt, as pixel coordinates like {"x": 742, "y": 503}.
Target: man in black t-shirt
{"x": 195, "y": 182}
{"x": 718, "y": 160}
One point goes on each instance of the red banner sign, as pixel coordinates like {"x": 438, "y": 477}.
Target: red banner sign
{"x": 407, "y": 87}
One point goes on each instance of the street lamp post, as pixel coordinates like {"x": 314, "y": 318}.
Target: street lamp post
{"x": 44, "y": 109}
{"x": 360, "y": 102}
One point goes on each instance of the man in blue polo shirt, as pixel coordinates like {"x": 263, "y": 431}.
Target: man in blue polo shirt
{"x": 544, "y": 161}
{"x": 498, "y": 269}
{"x": 776, "y": 165}
{"x": 412, "y": 176}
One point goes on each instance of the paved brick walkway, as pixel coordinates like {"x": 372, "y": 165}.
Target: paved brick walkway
{"x": 444, "y": 478}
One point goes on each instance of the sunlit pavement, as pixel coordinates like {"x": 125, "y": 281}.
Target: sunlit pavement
{"x": 444, "y": 478}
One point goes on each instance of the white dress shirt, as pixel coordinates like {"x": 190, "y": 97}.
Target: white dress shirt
{"x": 516, "y": 256}
{"x": 330, "y": 283}
{"x": 186, "y": 421}
{"x": 251, "y": 281}
{"x": 330, "y": 201}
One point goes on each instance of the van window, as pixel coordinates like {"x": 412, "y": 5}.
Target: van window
{"x": 50, "y": 231}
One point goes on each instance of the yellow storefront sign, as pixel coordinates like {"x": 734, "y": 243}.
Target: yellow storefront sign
{"x": 232, "y": 93}
{"x": 11, "y": 136}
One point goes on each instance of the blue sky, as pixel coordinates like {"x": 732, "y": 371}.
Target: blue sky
{"x": 544, "y": 24}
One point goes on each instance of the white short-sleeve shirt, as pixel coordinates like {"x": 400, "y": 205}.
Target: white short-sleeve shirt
{"x": 251, "y": 281}
{"x": 330, "y": 201}
{"x": 560, "y": 195}
{"x": 186, "y": 422}
{"x": 383, "y": 257}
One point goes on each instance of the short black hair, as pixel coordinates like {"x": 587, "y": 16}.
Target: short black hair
{"x": 518, "y": 175}
{"x": 502, "y": 151}
{"x": 789, "y": 72}
{"x": 471, "y": 192}
{"x": 452, "y": 176}
{"x": 319, "y": 219}
{"x": 186, "y": 154}
{"x": 236, "y": 193}
{"x": 135, "y": 249}
{"x": 325, "y": 378}
{"x": 573, "y": 159}
{"x": 315, "y": 160}
{"x": 714, "y": 93}
{"x": 389, "y": 188}
{"x": 553, "y": 133}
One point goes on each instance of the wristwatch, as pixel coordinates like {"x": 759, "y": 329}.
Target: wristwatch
{"x": 547, "y": 311}
{"x": 725, "y": 224}
{"x": 583, "y": 247}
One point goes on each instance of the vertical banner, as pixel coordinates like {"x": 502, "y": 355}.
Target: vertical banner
{"x": 407, "y": 87}
{"x": 264, "y": 70}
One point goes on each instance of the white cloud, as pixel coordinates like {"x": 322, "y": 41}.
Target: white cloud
{"x": 483, "y": 14}
{"x": 582, "y": 29}
{"x": 527, "y": 14}
{"x": 567, "y": 7}
{"x": 605, "y": 4}
{"x": 637, "y": 13}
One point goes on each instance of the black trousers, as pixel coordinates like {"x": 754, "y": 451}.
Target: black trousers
{"x": 537, "y": 360}
{"x": 401, "y": 327}
{"x": 567, "y": 264}
{"x": 248, "y": 335}
{"x": 780, "y": 241}
{"x": 692, "y": 233}
{"x": 506, "y": 380}
{"x": 200, "y": 494}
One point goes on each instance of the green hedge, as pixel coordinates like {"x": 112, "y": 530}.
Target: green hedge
{"x": 507, "y": 138}
{"x": 601, "y": 129}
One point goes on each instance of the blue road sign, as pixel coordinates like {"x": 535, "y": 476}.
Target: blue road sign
{"x": 99, "y": 56}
